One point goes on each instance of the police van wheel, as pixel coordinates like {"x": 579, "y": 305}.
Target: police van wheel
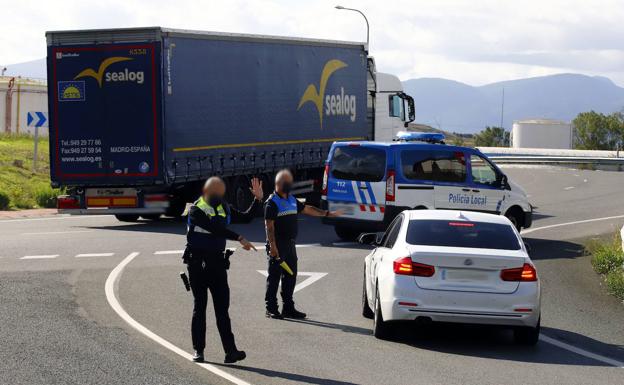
{"x": 515, "y": 218}
{"x": 127, "y": 217}
{"x": 346, "y": 233}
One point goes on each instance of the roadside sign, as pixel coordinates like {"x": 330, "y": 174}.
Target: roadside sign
{"x": 37, "y": 119}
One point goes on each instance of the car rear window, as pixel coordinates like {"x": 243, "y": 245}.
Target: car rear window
{"x": 481, "y": 235}
{"x": 434, "y": 165}
{"x": 358, "y": 163}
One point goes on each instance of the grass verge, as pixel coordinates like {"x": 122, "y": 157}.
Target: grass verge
{"x": 21, "y": 187}
{"x": 608, "y": 261}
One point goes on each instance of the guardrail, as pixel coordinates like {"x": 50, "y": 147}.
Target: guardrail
{"x": 584, "y": 159}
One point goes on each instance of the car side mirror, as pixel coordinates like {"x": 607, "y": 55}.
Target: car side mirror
{"x": 504, "y": 183}
{"x": 369, "y": 239}
{"x": 528, "y": 248}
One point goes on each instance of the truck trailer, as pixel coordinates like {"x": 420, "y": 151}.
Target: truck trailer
{"x": 140, "y": 117}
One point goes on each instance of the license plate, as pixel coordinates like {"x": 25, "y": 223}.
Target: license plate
{"x": 347, "y": 209}
{"x": 111, "y": 197}
{"x": 464, "y": 275}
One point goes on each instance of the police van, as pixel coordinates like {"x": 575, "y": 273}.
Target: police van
{"x": 371, "y": 182}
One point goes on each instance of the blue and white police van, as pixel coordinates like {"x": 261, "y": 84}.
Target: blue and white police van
{"x": 371, "y": 182}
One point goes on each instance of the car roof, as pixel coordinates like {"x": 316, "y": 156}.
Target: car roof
{"x": 457, "y": 215}
{"x": 399, "y": 144}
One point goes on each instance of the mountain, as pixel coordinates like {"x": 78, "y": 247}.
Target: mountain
{"x": 455, "y": 106}
{"x": 31, "y": 69}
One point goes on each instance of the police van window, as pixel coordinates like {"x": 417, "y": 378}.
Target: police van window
{"x": 396, "y": 107}
{"x": 434, "y": 165}
{"x": 358, "y": 163}
{"x": 482, "y": 171}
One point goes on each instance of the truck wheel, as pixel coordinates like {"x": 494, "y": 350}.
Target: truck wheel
{"x": 176, "y": 208}
{"x": 127, "y": 217}
{"x": 242, "y": 195}
{"x": 346, "y": 233}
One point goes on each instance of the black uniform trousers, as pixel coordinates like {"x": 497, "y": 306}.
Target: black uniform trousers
{"x": 288, "y": 253}
{"x": 211, "y": 275}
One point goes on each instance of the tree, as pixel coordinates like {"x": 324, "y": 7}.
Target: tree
{"x": 597, "y": 131}
{"x": 492, "y": 137}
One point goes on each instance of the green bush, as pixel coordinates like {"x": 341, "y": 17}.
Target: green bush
{"x": 606, "y": 256}
{"x": 45, "y": 196}
{"x": 4, "y": 201}
{"x": 615, "y": 283}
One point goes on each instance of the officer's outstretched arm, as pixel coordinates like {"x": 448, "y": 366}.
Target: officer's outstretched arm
{"x": 199, "y": 218}
{"x": 316, "y": 212}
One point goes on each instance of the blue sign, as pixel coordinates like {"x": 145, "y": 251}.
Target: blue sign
{"x": 36, "y": 119}
{"x": 71, "y": 91}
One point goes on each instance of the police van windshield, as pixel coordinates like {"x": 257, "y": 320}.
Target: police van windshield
{"x": 434, "y": 165}
{"x": 358, "y": 163}
{"x": 481, "y": 235}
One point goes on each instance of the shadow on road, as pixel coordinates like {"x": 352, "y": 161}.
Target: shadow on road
{"x": 542, "y": 249}
{"x": 285, "y": 375}
{"x": 329, "y": 325}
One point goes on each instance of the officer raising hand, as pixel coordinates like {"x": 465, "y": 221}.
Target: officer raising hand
{"x": 207, "y": 232}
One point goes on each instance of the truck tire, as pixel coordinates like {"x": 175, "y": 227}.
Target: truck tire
{"x": 242, "y": 196}
{"x": 127, "y": 217}
{"x": 346, "y": 233}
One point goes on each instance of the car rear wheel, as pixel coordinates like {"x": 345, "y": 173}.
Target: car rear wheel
{"x": 381, "y": 329}
{"x": 346, "y": 233}
{"x": 524, "y": 335}
{"x": 367, "y": 312}
{"x": 127, "y": 217}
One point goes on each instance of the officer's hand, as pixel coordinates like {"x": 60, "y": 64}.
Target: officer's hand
{"x": 337, "y": 213}
{"x": 273, "y": 253}
{"x": 256, "y": 188}
{"x": 246, "y": 244}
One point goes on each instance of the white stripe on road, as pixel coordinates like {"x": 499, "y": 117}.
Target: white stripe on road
{"x": 90, "y": 255}
{"x": 581, "y": 352}
{"x": 568, "y": 188}
{"x": 524, "y": 232}
{"x": 54, "y": 218}
{"x": 168, "y": 252}
{"x": 59, "y": 232}
{"x": 309, "y": 245}
{"x": 109, "y": 289}
{"x": 49, "y": 256}
{"x": 312, "y": 277}
{"x": 343, "y": 243}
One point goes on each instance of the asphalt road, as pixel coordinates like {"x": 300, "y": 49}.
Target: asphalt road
{"x": 57, "y": 325}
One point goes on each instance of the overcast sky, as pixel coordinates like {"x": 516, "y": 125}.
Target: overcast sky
{"x": 472, "y": 41}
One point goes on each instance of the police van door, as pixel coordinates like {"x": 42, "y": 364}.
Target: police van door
{"x": 356, "y": 182}
{"x": 486, "y": 183}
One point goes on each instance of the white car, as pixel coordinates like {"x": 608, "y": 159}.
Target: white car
{"x": 451, "y": 266}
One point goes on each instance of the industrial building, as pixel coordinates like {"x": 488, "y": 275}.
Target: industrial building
{"x": 23, "y": 105}
{"x": 541, "y": 133}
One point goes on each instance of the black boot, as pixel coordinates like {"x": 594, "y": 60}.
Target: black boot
{"x": 198, "y": 356}
{"x": 293, "y": 313}
{"x": 236, "y": 355}
{"x": 273, "y": 313}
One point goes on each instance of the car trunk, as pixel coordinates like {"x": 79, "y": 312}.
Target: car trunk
{"x": 463, "y": 269}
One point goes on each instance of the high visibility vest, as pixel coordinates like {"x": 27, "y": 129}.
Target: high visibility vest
{"x": 211, "y": 212}
{"x": 200, "y": 238}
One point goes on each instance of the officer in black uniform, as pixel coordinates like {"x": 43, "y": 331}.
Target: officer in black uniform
{"x": 280, "y": 215}
{"x": 208, "y": 219}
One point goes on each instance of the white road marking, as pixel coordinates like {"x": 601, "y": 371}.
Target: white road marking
{"x": 524, "y": 232}
{"x": 581, "y": 352}
{"x": 168, "y": 252}
{"x": 49, "y": 256}
{"x": 343, "y": 243}
{"x": 54, "y": 218}
{"x": 568, "y": 188}
{"x": 309, "y": 245}
{"x": 111, "y": 297}
{"x": 59, "y": 232}
{"x": 90, "y": 255}
{"x": 312, "y": 277}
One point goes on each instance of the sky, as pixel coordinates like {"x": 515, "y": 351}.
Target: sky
{"x": 471, "y": 41}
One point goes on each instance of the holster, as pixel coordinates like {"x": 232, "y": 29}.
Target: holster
{"x": 186, "y": 256}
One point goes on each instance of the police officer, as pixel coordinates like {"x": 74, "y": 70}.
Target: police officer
{"x": 208, "y": 220}
{"x": 280, "y": 216}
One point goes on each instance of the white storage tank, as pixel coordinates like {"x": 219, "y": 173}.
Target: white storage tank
{"x": 541, "y": 133}
{"x": 23, "y": 105}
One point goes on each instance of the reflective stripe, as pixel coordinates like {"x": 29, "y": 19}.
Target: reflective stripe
{"x": 198, "y": 229}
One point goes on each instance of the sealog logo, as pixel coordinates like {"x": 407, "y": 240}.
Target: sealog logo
{"x": 337, "y": 105}
{"x": 121, "y": 76}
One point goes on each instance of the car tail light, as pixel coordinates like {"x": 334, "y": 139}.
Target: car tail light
{"x": 405, "y": 266}
{"x": 526, "y": 273}
{"x": 390, "y": 186}
{"x": 68, "y": 202}
{"x": 325, "y": 177}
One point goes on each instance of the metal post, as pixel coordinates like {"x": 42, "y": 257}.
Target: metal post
{"x": 340, "y": 7}
{"x": 35, "y": 155}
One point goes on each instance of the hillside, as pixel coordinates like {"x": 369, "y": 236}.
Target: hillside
{"x": 455, "y": 106}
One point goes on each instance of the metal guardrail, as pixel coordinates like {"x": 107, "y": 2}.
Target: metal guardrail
{"x": 594, "y": 163}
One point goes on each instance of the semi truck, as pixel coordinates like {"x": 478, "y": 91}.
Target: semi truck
{"x": 140, "y": 117}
